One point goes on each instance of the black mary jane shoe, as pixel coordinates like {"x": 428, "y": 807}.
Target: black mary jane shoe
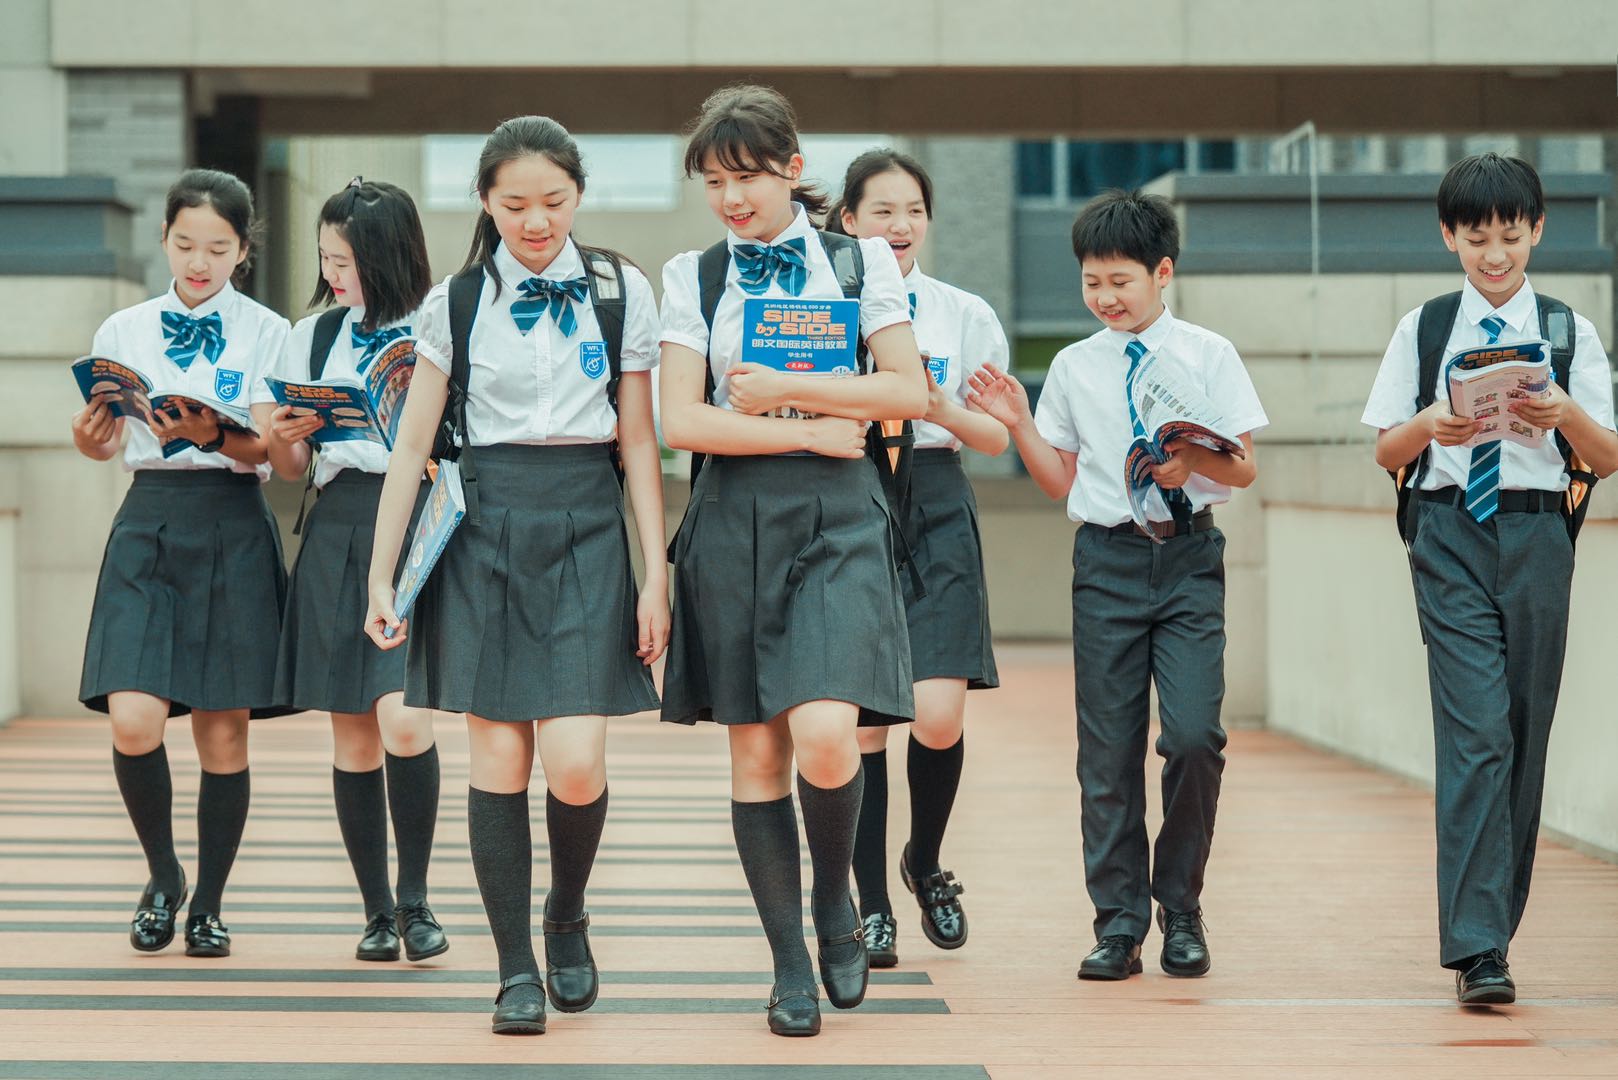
{"x": 153, "y": 925}
{"x": 794, "y": 1013}
{"x": 845, "y": 981}
{"x": 205, "y": 935}
{"x": 1116, "y": 957}
{"x": 380, "y": 941}
{"x": 572, "y": 987}
{"x": 1185, "y": 943}
{"x": 882, "y": 939}
{"x": 526, "y": 1017}
{"x": 942, "y": 918}
{"x": 423, "y": 937}
{"x": 1486, "y": 981}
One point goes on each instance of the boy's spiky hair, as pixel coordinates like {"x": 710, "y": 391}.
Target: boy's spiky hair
{"x": 1489, "y": 187}
{"x": 1139, "y": 227}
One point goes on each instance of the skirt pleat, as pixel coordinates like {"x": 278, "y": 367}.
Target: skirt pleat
{"x": 949, "y": 626}
{"x": 189, "y": 599}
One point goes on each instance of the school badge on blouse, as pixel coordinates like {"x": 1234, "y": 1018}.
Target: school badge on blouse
{"x": 593, "y": 358}
{"x": 227, "y": 384}
{"x": 938, "y": 368}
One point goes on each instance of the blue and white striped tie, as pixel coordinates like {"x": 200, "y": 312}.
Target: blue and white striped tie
{"x": 1483, "y": 477}
{"x": 1177, "y": 501}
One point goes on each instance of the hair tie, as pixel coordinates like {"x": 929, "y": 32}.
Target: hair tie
{"x": 358, "y": 181}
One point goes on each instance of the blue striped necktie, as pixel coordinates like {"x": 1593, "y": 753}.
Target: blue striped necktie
{"x": 542, "y": 294}
{"x": 758, "y": 265}
{"x": 373, "y": 342}
{"x": 1178, "y": 502}
{"x": 912, "y": 307}
{"x": 1483, "y": 478}
{"x": 189, "y": 335}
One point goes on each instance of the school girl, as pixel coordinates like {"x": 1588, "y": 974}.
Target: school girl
{"x": 790, "y": 622}
{"x": 530, "y": 623}
{"x": 373, "y": 271}
{"x": 187, "y": 606}
{"x": 889, "y": 195}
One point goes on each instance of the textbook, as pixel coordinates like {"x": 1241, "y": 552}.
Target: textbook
{"x": 1170, "y": 409}
{"x": 231, "y": 417}
{"x": 803, "y": 337}
{"x": 446, "y": 505}
{"x": 129, "y": 394}
{"x": 369, "y": 409}
{"x": 1483, "y": 382}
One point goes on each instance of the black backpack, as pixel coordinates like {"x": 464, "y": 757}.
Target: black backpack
{"x": 848, "y": 261}
{"x": 326, "y": 328}
{"x": 605, "y": 273}
{"x": 1433, "y": 328}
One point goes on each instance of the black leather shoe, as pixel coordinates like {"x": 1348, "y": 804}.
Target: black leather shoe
{"x": 942, "y": 918}
{"x": 795, "y": 1013}
{"x": 881, "y": 939}
{"x": 381, "y": 940}
{"x": 572, "y": 987}
{"x": 423, "y": 937}
{"x": 1185, "y": 946}
{"x": 1115, "y": 957}
{"x": 524, "y": 1016}
{"x": 1486, "y": 981}
{"x": 205, "y": 935}
{"x": 845, "y": 981}
{"x": 153, "y": 925}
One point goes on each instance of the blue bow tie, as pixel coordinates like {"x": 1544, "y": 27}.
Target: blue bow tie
{"x": 190, "y": 335}
{"x": 758, "y": 265}
{"x": 373, "y": 342}
{"x": 542, "y": 294}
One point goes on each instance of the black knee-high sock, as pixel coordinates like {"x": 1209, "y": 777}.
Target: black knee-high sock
{"x": 575, "y": 835}
{"x": 830, "y": 816}
{"x": 871, "y": 837}
{"x": 363, "y": 820}
{"x": 934, "y": 777}
{"x": 767, "y": 841}
{"x": 503, "y": 860}
{"x": 148, "y": 791}
{"x": 222, "y": 800}
{"x": 413, "y": 803}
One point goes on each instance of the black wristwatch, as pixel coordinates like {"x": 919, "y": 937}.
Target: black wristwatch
{"x": 216, "y": 445}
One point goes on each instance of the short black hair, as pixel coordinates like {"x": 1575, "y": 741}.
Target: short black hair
{"x": 1131, "y": 224}
{"x": 380, "y": 223}
{"x": 1489, "y": 187}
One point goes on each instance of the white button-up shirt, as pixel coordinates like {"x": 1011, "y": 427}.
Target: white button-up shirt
{"x": 533, "y": 388}
{"x": 1393, "y": 395}
{"x": 254, "y": 337}
{"x": 882, "y": 302}
{"x": 1082, "y": 410}
{"x": 960, "y": 333}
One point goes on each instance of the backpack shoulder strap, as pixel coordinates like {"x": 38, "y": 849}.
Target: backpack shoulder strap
{"x": 712, "y": 267}
{"x": 1556, "y": 327}
{"x": 605, "y": 274}
{"x": 326, "y": 328}
{"x": 465, "y": 290}
{"x": 1433, "y": 328}
{"x": 847, "y": 261}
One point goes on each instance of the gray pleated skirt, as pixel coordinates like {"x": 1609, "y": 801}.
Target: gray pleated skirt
{"x": 949, "y": 626}
{"x": 326, "y": 662}
{"x": 785, "y": 592}
{"x": 188, "y": 604}
{"x": 530, "y": 612}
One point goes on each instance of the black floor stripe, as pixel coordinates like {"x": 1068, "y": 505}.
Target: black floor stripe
{"x": 401, "y": 973}
{"x": 222, "y": 1070}
{"x": 440, "y": 907}
{"x": 118, "y": 843}
{"x": 260, "y": 1003}
{"x": 249, "y": 855}
{"x": 351, "y": 890}
{"x": 250, "y": 928}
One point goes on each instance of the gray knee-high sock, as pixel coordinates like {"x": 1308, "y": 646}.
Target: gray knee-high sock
{"x": 503, "y": 861}
{"x": 830, "y": 817}
{"x": 148, "y": 791}
{"x": 767, "y": 841}
{"x": 575, "y": 836}
{"x": 222, "y": 802}
{"x": 413, "y": 805}
{"x": 362, "y": 818}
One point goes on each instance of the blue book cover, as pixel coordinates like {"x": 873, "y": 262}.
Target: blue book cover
{"x": 804, "y": 337}
{"x": 369, "y": 410}
{"x": 446, "y": 506}
{"x": 231, "y": 417}
{"x": 125, "y": 390}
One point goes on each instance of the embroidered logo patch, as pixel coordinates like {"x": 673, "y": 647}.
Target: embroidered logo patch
{"x": 593, "y": 358}
{"x": 938, "y": 368}
{"x": 227, "y": 384}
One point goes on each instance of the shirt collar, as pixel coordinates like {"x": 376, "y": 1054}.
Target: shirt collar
{"x": 800, "y": 227}
{"x": 1152, "y": 337}
{"x": 219, "y": 301}
{"x": 915, "y": 277}
{"x": 1517, "y": 312}
{"x": 356, "y": 316}
{"x": 564, "y": 267}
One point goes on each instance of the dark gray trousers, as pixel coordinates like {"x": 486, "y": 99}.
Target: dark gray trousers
{"x": 1493, "y": 601}
{"x": 1144, "y": 612}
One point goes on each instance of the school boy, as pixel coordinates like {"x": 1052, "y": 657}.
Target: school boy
{"x": 1492, "y": 558}
{"x": 1143, "y": 612}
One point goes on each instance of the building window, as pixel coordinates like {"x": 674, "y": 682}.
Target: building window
{"x": 1063, "y": 171}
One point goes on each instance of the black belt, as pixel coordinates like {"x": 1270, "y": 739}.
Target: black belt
{"x": 1511, "y": 502}
{"x": 1201, "y": 521}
